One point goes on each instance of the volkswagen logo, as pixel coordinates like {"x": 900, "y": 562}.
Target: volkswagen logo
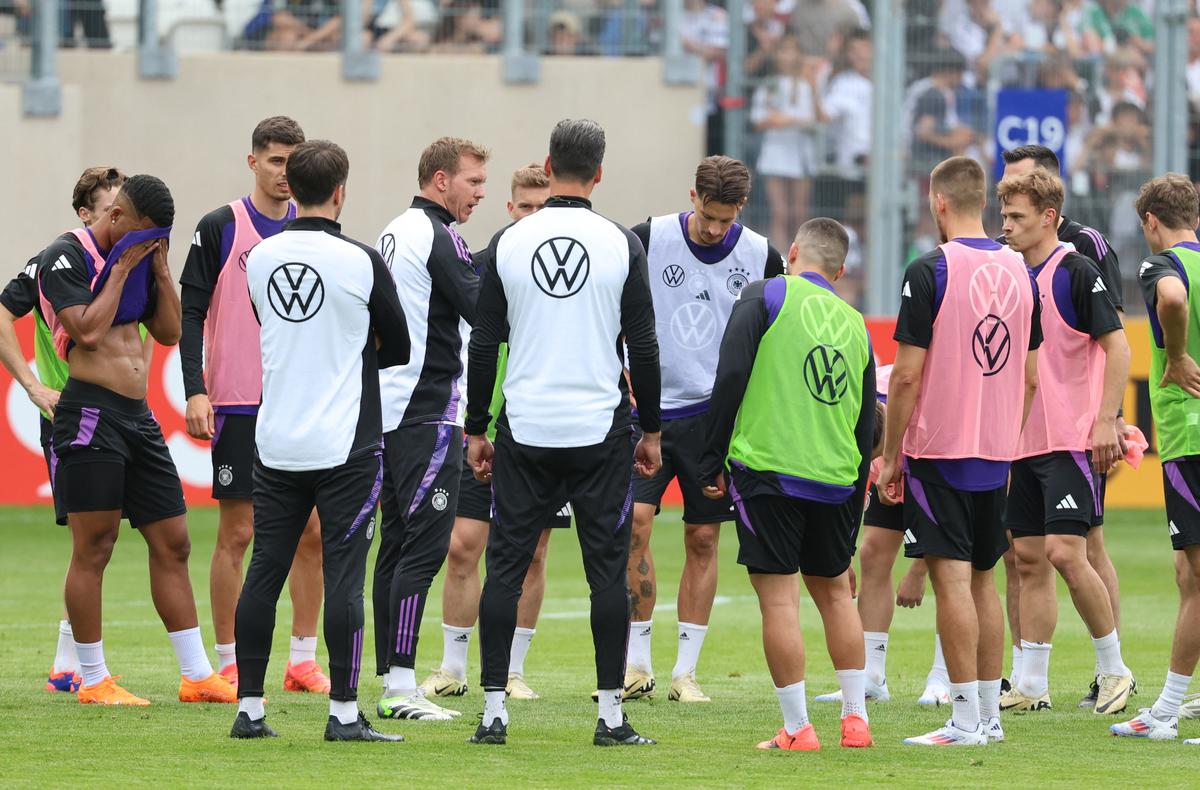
{"x": 826, "y": 375}
{"x": 693, "y": 325}
{"x": 991, "y": 344}
{"x": 560, "y": 267}
{"x": 673, "y": 275}
{"x": 387, "y": 248}
{"x": 295, "y": 292}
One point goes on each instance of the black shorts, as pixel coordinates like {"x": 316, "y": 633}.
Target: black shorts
{"x": 682, "y": 446}
{"x": 956, "y": 525}
{"x": 880, "y": 514}
{"x": 1181, "y": 487}
{"x": 475, "y": 502}
{"x": 779, "y": 534}
{"x": 111, "y": 456}
{"x": 47, "y": 440}
{"x": 1053, "y": 494}
{"x": 233, "y": 456}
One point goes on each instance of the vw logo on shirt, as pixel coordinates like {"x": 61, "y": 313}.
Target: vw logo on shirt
{"x": 295, "y": 292}
{"x": 560, "y": 267}
{"x": 387, "y": 249}
{"x": 826, "y": 375}
{"x": 991, "y": 344}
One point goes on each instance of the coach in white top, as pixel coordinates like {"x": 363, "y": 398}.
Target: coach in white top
{"x": 330, "y": 319}
{"x": 563, "y": 286}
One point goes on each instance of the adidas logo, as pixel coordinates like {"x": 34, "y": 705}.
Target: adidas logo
{"x": 645, "y": 631}
{"x": 60, "y": 264}
{"x": 462, "y": 638}
{"x": 907, "y": 289}
{"x": 959, "y": 698}
{"x": 196, "y": 240}
{"x": 1098, "y": 286}
{"x": 881, "y": 648}
{"x": 909, "y": 537}
{"x": 704, "y": 297}
{"x": 684, "y": 637}
{"x": 1067, "y": 502}
{"x": 1171, "y": 528}
{"x": 31, "y": 270}
{"x": 1145, "y": 267}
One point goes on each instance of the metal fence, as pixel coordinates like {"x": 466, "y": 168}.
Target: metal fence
{"x": 841, "y": 109}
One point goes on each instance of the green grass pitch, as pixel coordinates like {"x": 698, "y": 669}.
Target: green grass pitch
{"x": 51, "y": 741}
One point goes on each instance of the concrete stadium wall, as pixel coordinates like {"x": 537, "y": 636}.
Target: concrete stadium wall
{"x": 194, "y": 132}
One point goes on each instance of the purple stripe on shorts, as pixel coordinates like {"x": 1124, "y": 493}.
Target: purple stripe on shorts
{"x": 87, "y": 426}
{"x": 1171, "y": 470}
{"x": 53, "y": 466}
{"x": 741, "y": 508}
{"x": 368, "y": 508}
{"x": 218, "y": 425}
{"x": 917, "y": 489}
{"x": 412, "y": 625}
{"x": 1080, "y": 459}
{"x": 625, "y": 508}
{"x": 440, "y": 447}
{"x": 355, "y": 657}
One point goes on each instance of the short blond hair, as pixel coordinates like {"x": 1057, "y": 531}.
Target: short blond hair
{"x": 823, "y": 241}
{"x": 1043, "y": 188}
{"x": 444, "y": 154}
{"x": 531, "y": 176}
{"x": 962, "y": 182}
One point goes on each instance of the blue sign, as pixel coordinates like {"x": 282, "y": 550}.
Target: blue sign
{"x": 1030, "y": 117}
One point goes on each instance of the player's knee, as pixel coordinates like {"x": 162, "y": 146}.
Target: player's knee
{"x": 875, "y": 559}
{"x": 700, "y": 540}
{"x": 95, "y": 551}
{"x": 1067, "y": 559}
{"x": 174, "y": 548}
{"x": 233, "y": 537}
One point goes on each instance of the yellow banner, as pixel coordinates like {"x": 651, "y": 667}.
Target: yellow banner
{"x": 1141, "y": 487}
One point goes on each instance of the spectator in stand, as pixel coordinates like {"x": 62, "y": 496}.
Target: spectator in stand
{"x": 1050, "y": 28}
{"x": 848, "y": 105}
{"x": 1193, "y": 67}
{"x": 1123, "y": 144}
{"x": 821, "y": 24}
{"x": 938, "y": 130}
{"x": 1109, "y": 24}
{"x": 88, "y": 14}
{"x": 764, "y": 29}
{"x": 400, "y": 25}
{"x": 564, "y": 35}
{"x": 705, "y": 32}
{"x": 979, "y": 37}
{"x": 305, "y": 25}
{"x": 469, "y": 26}
{"x": 621, "y": 30}
{"x": 787, "y": 110}
{"x": 1124, "y": 80}
{"x": 1057, "y": 70}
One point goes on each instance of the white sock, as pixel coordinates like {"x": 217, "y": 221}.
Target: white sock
{"x": 455, "y": 643}
{"x": 691, "y": 639}
{"x": 226, "y": 655}
{"x": 853, "y": 683}
{"x": 639, "y": 646}
{"x": 522, "y": 637}
{"x": 964, "y": 697}
{"x": 610, "y": 707}
{"x": 877, "y": 643}
{"x": 989, "y": 699}
{"x": 794, "y": 707}
{"x": 1108, "y": 656}
{"x": 304, "y": 648}
{"x": 493, "y": 707}
{"x": 1035, "y": 668}
{"x": 345, "y": 712}
{"x": 1167, "y": 705}
{"x": 65, "y": 659}
{"x": 189, "y": 649}
{"x": 91, "y": 661}
{"x": 1018, "y": 661}
{"x": 938, "y": 674}
{"x": 401, "y": 681}
{"x": 252, "y": 707}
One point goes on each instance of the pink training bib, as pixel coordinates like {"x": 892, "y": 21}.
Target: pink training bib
{"x": 232, "y": 361}
{"x": 62, "y": 340}
{"x": 973, "y": 384}
{"x": 1070, "y": 379}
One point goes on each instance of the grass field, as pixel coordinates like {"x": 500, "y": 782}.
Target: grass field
{"x": 51, "y": 741}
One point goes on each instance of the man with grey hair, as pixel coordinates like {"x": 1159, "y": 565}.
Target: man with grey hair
{"x": 797, "y": 512}
{"x": 563, "y": 286}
